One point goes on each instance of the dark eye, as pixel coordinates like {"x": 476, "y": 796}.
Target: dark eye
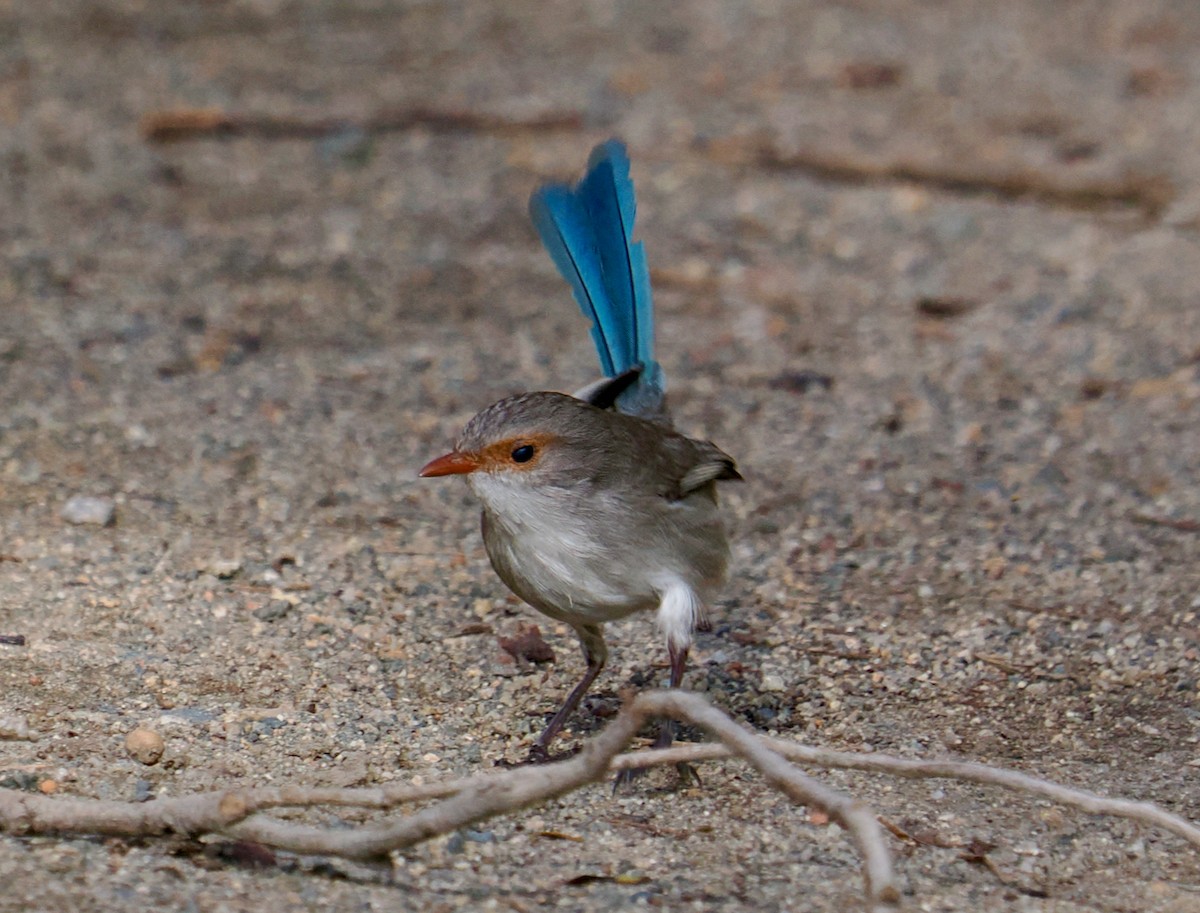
{"x": 523, "y": 454}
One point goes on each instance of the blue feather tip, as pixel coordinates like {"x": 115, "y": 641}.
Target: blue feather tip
{"x": 588, "y": 232}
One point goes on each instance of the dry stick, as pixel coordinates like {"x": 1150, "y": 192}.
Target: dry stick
{"x": 1149, "y": 193}
{"x": 177, "y": 124}
{"x": 518, "y": 788}
{"x": 966, "y": 771}
{"x": 236, "y": 813}
{"x": 1183, "y": 525}
{"x": 478, "y": 798}
{"x": 233, "y": 813}
{"x": 24, "y": 813}
{"x": 880, "y": 884}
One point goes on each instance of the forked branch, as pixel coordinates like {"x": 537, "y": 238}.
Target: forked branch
{"x": 242, "y": 813}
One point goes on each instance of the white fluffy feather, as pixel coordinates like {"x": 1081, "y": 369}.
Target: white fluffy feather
{"x": 678, "y": 613}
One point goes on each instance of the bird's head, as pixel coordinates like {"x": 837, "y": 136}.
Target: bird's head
{"x": 529, "y": 439}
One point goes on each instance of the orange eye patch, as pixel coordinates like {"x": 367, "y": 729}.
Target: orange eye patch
{"x": 517, "y": 453}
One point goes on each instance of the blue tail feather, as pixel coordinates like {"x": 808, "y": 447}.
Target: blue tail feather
{"x": 588, "y": 231}
{"x": 562, "y": 223}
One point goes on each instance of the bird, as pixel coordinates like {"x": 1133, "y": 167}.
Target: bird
{"x": 594, "y": 506}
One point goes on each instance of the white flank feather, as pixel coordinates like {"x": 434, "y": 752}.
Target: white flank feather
{"x": 678, "y": 613}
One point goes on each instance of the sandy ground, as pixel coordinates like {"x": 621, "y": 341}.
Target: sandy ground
{"x": 978, "y": 540}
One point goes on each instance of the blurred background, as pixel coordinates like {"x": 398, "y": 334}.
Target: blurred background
{"x": 927, "y": 270}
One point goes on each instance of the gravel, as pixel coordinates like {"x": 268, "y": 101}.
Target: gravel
{"x": 967, "y": 418}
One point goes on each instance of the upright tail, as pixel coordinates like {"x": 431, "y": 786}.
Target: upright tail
{"x": 588, "y": 231}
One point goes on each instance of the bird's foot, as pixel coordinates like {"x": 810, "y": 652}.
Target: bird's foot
{"x": 535, "y": 757}
{"x": 540, "y": 754}
{"x": 627, "y": 778}
{"x": 666, "y": 737}
{"x": 688, "y": 777}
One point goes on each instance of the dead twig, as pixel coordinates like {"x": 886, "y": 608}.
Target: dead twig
{"x": 242, "y": 814}
{"x": 1184, "y": 525}
{"x": 1149, "y": 194}
{"x": 1012, "y": 668}
{"x": 965, "y": 771}
{"x": 174, "y": 125}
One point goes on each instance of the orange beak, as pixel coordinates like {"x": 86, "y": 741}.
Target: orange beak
{"x": 452, "y": 464}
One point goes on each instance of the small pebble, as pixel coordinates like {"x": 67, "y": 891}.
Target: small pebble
{"x": 771, "y": 683}
{"x": 144, "y": 745}
{"x": 85, "y": 510}
{"x": 48, "y": 787}
{"x": 16, "y": 728}
{"x": 224, "y": 568}
{"x": 273, "y": 610}
{"x": 19, "y": 779}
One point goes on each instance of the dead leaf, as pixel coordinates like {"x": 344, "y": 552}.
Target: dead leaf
{"x": 527, "y": 644}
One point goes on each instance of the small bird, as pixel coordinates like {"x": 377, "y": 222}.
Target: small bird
{"x": 593, "y": 506}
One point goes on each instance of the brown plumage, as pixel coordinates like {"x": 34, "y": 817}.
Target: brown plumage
{"x": 590, "y": 515}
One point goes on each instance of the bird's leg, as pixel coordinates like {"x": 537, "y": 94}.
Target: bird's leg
{"x": 595, "y": 653}
{"x": 541, "y": 748}
{"x": 666, "y": 734}
{"x": 678, "y": 655}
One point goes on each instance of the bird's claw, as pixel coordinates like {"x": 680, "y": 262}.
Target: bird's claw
{"x": 540, "y": 754}
{"x": 626, "y": 777}
{"x": 688, "y": 776}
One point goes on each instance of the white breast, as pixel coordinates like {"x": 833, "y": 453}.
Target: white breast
{"x": 558, "y": 551}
